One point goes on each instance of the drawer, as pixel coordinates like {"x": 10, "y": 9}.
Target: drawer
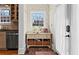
{"x": 34, "y": 36}
{"x": 48, "y": 36}
{"x": 39, "y": 36}
{"x": 42, "y": 36}
{"x": 30, "y": 36}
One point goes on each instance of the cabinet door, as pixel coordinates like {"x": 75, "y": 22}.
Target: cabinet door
{"x": 2, "y": 40}
{"x": 12, "y": 40}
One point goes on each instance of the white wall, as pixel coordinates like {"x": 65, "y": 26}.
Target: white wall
{"x": 22, "y": 46}
{"x": 75, "y": 30}
{"x": 51, "y": 16}
{"x": 28, "y": 8}
{"x": 57, "y": 25}
{"x": 25, "y": 22}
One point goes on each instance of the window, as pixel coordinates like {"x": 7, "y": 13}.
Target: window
{"x": 5, "y": 16}
{"x": 38, "y": 18}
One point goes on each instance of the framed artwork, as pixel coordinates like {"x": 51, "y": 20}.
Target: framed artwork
{"x": 37, "y": 18}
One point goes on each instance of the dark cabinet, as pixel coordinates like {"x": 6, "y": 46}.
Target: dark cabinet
{"x": 12, "y": 40}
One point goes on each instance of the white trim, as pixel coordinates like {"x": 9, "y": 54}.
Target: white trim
{"x": 22, "y": 46}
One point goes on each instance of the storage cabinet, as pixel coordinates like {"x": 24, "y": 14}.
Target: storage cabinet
{"x": 41, "y": 39}
{"x": 8, "y": 40}
{"x": 12, "y": 40}
{"x": 2, "y": 40}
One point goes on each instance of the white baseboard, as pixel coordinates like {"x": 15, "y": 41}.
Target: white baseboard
{"x": 21, "y": 51}
{"x": 56, "y": 51}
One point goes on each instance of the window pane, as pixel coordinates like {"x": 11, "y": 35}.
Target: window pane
{"x": 5, "y": 16}
{"x": 38, "y": 18}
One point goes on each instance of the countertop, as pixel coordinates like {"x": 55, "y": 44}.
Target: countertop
{"x": 1, "y": 30}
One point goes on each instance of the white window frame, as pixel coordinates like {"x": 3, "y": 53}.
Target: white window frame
{"x": 5, "y": 21}
{"x": 43, "y": 16}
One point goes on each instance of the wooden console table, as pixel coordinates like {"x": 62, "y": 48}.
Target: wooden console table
{"x": 39, "y": 39}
